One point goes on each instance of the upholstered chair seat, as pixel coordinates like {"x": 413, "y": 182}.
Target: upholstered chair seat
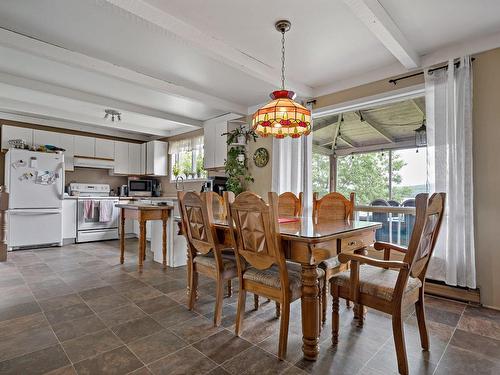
{"x": 208, "y": 260}
{"x": 375, "y": 281}
{"x": 271, "y": 277}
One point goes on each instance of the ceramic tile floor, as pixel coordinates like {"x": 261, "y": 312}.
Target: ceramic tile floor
{"x": 76, "y": 310}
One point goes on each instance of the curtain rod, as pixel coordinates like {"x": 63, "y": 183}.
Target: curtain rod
{"x": 395, "y": 80}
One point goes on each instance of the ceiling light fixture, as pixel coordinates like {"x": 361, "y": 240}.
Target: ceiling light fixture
{"x": 282, "y": 116}
{"x": 113, "y": 114}
{"x": 421, "y": 135}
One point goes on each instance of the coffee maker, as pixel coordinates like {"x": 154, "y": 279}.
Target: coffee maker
{"x": 156, "y": 187}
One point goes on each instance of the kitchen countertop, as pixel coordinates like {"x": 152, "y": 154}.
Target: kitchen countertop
{"x": 139, "y": 206}
{"x": 163, "y": 198}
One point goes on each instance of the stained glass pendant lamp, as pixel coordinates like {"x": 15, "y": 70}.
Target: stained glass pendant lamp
{"x": 282, "y": 117}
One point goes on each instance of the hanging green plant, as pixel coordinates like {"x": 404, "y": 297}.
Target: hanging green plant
{"x": 236, "y": 170}
{"x": 240, "y": 135}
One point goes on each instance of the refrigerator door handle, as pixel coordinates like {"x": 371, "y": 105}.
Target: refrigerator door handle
{"x": 42, "y": 211}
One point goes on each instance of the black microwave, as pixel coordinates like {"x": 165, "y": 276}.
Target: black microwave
{"x": 140, "y": 188}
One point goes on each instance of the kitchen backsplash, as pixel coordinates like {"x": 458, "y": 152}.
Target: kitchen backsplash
{"x": 95, "y": 176}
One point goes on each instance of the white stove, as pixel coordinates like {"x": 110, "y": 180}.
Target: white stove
{"x": 89, "y": 190}
{"x": 93, "y": 224}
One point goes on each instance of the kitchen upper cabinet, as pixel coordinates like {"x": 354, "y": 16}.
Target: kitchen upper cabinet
{"x": 134, "y": 158}
{"x": 84, "y": 146}
{"x": 121, "y": 157}
{"x": 215, "y": 148}
{"x": 15, "y": 132}
{"x": 67, "y": 141}
{"x": 69, "y": 218}
{"x": 156, "y": 158}
{"x": 142, "y": 166}
{"x": 104, "y": 148}
{"x": 43, "y": 137}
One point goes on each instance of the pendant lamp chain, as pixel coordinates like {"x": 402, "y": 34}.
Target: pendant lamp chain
{"x": 283, "y": 59}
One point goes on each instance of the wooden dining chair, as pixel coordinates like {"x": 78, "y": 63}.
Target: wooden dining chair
{"x": 218, "y": 205}
{"x": 332, "y": 206}
{"x": 205, "y": 253}
{"x": 260, "y": 259}
{"x": 289, "y": 204}
{"x": 391, "y": 286}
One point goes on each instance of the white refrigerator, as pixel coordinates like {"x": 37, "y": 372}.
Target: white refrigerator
{"x": 35, "y": 183}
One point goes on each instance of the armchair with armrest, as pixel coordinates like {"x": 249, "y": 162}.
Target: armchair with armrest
{"x": 390, "y": 285}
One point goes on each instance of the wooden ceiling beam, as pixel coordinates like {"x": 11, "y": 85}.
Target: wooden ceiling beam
{"x": 375, "y": 126}
{"x": 380, "y": 23}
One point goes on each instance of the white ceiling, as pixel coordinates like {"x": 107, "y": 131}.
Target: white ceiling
{"x": 170, "y": 65}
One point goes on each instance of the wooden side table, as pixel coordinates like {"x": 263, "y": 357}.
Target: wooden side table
{"x": 143, "y": 213}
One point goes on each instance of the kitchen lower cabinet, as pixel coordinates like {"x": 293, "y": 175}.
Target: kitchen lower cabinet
{"x": 69, "y": 218}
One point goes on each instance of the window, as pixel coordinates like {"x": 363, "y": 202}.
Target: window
{"x": 321, "y": 173}
{"x": 186, "y": 159}
{"x": 396, "y": 175}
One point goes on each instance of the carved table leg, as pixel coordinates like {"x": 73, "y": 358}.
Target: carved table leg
{"x": 310, "y": 312}
{"x": 122, "y": 236}
{"x": 142, "y": 237}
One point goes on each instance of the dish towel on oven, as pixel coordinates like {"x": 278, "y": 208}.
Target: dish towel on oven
{"x": 106, "y": 211}
{"x": 88, "y": 209}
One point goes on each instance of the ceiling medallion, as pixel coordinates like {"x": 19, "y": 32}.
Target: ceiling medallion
{"x": 282, "y": 116}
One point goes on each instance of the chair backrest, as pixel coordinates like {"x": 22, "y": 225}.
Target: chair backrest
{"x": 197, "y": 221}
{"x": 289, "y": 204}
{"x": 429, "y": 215}
{"x": 255, "y": 230}
{"x": 333, "y": 206}
{"x": 218, "y": 206}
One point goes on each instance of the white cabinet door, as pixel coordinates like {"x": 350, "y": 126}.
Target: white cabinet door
{"x": 134, "y": 158}
{"x": 15, "y": 132}
{"x": 156, "y": 158}
{"x": 43, "y": 137}
{"x": 67, "y": 141}
{"x": 220, "y": 153}
{"x": 121, "y": 157}
{"x": 69, "y": 218}
{"x": 209, "y": 146}
{"x": 84, "y": 146}
{"x": 143, "y": 159}
{"x": 104, "y": 148}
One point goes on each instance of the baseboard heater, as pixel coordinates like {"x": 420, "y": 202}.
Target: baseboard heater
{"x": 440, "y": 289}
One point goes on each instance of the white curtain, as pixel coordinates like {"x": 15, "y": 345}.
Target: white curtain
{"x": 449, "y": 145}
{"x": 186, "y": 145}
{"x": 291, "y": 168}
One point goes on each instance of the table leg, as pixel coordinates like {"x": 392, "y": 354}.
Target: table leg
{"x": 122, "y": 236}
{"x": 310, "y": 311}
{"x": 142, "y": 237}
{"x": 164, "y": 243}
{"x": 145, "y": 242}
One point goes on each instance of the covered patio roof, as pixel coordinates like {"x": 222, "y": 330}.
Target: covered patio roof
{"x": 382, "y": 127}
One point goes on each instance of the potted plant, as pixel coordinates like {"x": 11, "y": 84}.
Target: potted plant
{"x": 240, "y": 136}
{"x": 237, "y": 172}
{"x": 176, "y": 170}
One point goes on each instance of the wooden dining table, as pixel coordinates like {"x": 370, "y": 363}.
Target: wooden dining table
{"x": 308, "y": 241}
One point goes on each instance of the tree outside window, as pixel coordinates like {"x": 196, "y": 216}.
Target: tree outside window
{"x": 371, "y": 176}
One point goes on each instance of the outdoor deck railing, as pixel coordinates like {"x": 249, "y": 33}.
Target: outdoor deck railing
{"x": 397, "y": 222}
